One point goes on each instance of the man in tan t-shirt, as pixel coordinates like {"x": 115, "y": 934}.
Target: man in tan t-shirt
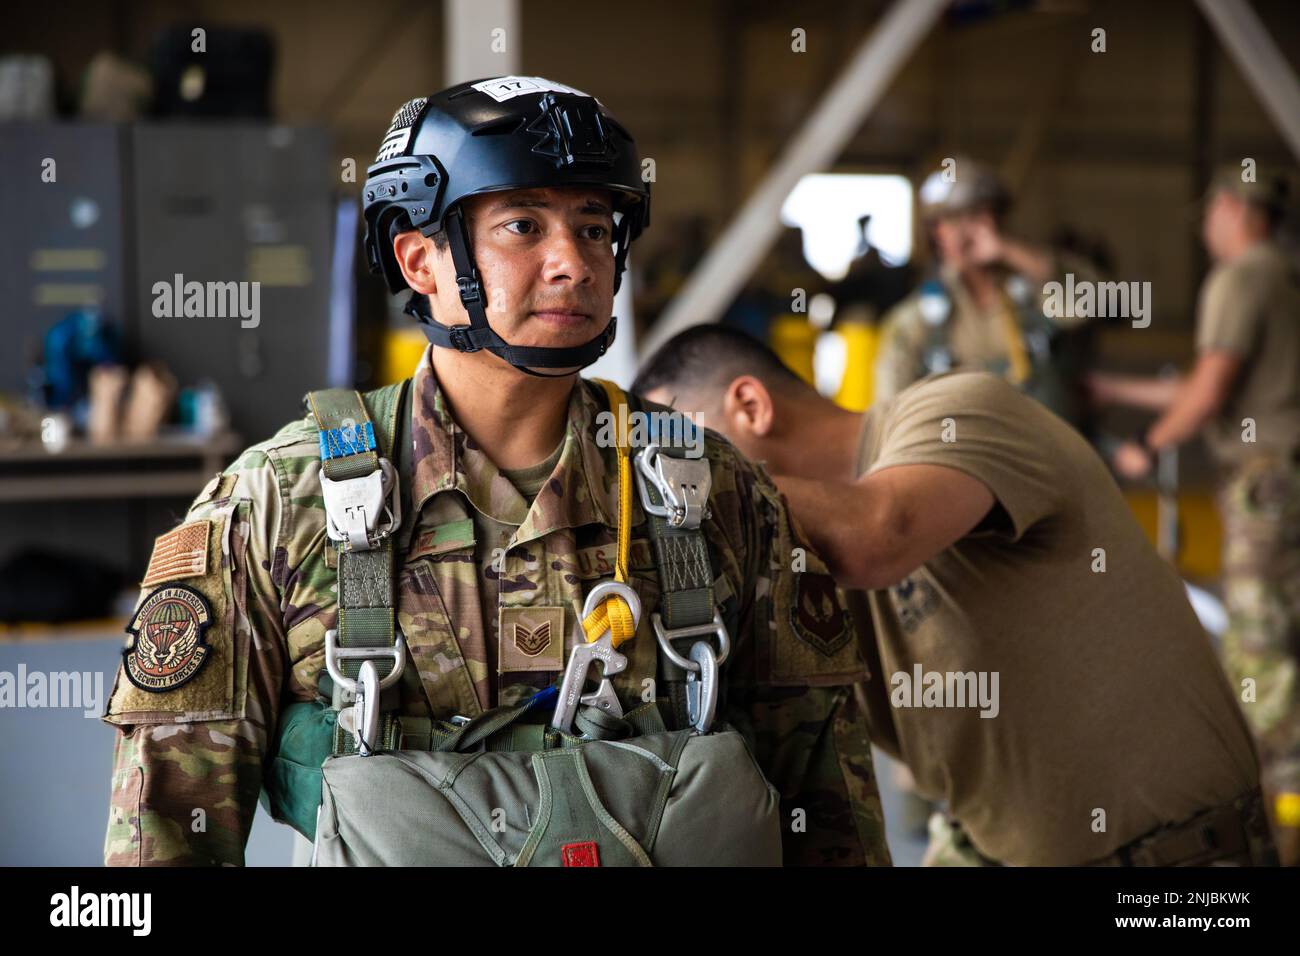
{"x": 1038, "y": 667}
{"x": 1243, "y": 394}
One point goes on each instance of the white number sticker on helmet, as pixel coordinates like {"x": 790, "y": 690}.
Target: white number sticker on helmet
{"x": 503, "y": 88}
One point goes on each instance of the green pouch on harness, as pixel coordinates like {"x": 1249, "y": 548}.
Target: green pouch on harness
{"x": 672, "y": 798}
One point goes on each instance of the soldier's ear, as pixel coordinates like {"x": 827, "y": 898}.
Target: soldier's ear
{"x": 415, "y": 257}
{"x": 747, "y": 406}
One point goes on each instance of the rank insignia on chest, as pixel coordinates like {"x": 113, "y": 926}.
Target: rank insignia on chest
{"x": 531, "y": 643}
{"x": 166, "y": 648}
{"x": 531, "y": 639}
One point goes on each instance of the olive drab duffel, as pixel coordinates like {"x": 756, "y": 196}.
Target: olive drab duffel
{"x": 587, "y": 785}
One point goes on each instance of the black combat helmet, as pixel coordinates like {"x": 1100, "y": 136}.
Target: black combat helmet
{"x": 511, "y": 132}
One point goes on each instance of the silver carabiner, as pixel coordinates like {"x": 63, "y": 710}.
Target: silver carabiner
{"x": 683, "y": 485}
{"x": 366, "y": 709}
{"x": 702, "y": 687}
{"x": 607, "y": 589}
{"x": 575, "y": 681}
{"x": 586, "y": 652}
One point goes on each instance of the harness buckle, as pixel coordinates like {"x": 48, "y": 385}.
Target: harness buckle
{"x": 353, "y": 506}
{"x": 460, "y": 340}
{"x": 715, "y": 628}
{"x": 363, "y": 717}
{"x": 471, "y": 291}
{"x": 336, "y": 654}
{"x": 682, "y": 483}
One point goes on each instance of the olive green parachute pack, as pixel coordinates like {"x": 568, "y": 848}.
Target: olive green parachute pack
{"x": 662, "y": 785}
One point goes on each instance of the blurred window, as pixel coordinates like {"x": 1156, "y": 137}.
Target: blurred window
{"x": 827, "y": 206}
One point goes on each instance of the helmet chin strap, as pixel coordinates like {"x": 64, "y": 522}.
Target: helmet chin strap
{"x": 480, "y": 335}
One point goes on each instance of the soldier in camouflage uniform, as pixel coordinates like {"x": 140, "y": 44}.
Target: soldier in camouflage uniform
{"x": 1244, "y": 393}
{"x": 984, "y": 309}
{"x": 505, "y": 545}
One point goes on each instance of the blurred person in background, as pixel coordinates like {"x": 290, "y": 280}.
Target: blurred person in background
{"x": 983, "y": 309}
{"x": 1243, "y": 395}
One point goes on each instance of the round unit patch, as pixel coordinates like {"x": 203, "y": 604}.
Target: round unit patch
{"x": 166, "y": 647}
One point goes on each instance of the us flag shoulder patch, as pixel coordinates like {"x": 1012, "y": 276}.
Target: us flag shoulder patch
{"x": 180, "y": 553}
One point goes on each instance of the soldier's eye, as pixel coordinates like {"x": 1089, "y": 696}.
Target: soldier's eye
{"x": 525, "y": 226}
{"x": 595, "y": 232}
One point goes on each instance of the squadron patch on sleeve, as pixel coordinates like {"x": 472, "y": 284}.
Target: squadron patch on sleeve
{"x": 166, "y": 648}
{"x": 816, "y": 615}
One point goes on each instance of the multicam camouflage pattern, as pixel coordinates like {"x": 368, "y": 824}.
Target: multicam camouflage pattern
{"x": 1260, "y": 507}
{"x": 786, "y": 694}
{"x": 950, "y": 845}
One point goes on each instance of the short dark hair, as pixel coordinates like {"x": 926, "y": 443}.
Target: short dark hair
{"x": 712, "y": 355}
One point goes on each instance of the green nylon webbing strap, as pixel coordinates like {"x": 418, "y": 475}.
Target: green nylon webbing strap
{"x": 366, "y": 606}
{"x": 390, "y": 735}
{"x": 685, "y": 575}
{"x": 500, "y": 730}
{"x": 335, "y": 408}
{"x": 682, "y": 557}
{"x": 685, "y": 582}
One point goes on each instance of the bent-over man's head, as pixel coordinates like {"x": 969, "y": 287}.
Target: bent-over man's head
{"x": 737, "y": 386}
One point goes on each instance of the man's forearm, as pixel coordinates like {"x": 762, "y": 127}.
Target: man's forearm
{"x": 1184, "y": 418}
{"x": 1035, "y": 264}
{"x": 1153, "y": 394}
{"x": 849, "y": 530}
{"x": 1198, "y": 397}
{"x": 184, "y": 794}
{"x": 814, "y": 505}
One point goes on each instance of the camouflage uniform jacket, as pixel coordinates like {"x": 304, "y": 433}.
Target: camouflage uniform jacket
{"x": 254, "y": 545}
